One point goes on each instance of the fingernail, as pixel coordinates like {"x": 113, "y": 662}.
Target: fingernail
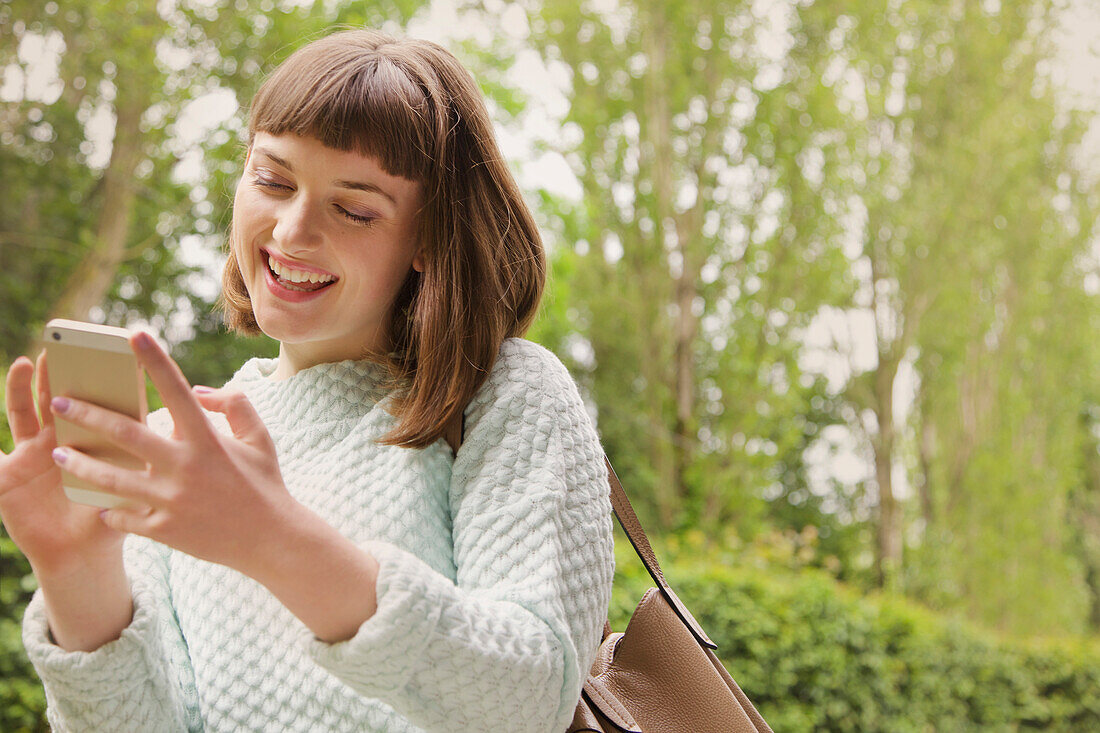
{"x": 144, "y": 341}
{"x": 60, "y": 404}
{"x": 202, "y": 390}
{"x": 59, "y": 455}
{"x": 103, "y": 513}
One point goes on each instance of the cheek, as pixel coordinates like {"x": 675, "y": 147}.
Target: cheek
{"x": 246, "y": 263}
{"x": 249, "y": 259}
{"x": 241, "y": 203}
{"x": 248, "y": 218}
{"x": 252, "y": 207}
{"x": 383, "y": 273}
{"x": 369, "y": 286}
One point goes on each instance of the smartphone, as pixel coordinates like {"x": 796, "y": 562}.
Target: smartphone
{"x": 94, "y": 363}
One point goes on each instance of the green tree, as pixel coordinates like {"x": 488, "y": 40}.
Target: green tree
{"x": 703, "y": 244}
{"x": 972, "y": 220}
{"x": 908, "y": 163}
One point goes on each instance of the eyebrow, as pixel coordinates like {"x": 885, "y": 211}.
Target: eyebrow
{"x": 353, "y": 185}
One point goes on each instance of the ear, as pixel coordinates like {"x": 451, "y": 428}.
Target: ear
{"x": 418, "y": 260}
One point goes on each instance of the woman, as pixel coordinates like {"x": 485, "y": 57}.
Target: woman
{"x": 304, "y": 551}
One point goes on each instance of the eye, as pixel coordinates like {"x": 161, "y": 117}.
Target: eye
{"x": 356, "y": 218}
{"x": 267, "y": 183}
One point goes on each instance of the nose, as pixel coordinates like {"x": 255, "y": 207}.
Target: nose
{"x": 297, "y": 228}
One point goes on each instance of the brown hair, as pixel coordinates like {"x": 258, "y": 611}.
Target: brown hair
{"x": 411, "y": 105}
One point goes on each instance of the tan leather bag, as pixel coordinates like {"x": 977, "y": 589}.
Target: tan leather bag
{"x": 660, "y": 675}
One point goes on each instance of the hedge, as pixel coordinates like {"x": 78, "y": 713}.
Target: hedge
{"x": 22, "y": 701}
{"x": 814, "y": 656}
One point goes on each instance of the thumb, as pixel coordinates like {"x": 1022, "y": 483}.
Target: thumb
{"x": 242, "y": 417}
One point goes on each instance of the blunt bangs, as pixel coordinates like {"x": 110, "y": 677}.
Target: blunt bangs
{"x": 351, "y": 97}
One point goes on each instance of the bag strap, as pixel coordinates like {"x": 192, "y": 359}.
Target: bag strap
{"x": 628, "y": 520}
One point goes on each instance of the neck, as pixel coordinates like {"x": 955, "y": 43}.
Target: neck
{"x": 287, "y": 367}
{"x": 293, "y": 358}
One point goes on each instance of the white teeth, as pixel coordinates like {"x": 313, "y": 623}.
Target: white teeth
{"x": 297, "y": 276}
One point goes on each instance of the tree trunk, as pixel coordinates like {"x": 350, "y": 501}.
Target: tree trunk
{"x": 686, "y": 325}
{"x": 656, "y": 135}
{"x": 659, "y": 134}
{"x": 92, "y": 279}
{"x": 927, "y": 449}
{"x": 1084, "y": 514}
{"x": 889, "y": 338}
{"x": 888, "y": 556}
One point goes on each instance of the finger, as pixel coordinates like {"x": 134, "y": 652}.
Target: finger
{"x": 122, "y": 430}
{"x": 20, "y": 403}
{"x": 42, "y": 386}
{"x": 106, "y": 477}
{"x": 173, "y": 387}
{"x": 129, "y": 518}
{"x": 21, "y": 472}
{"x": 242, "y": 417}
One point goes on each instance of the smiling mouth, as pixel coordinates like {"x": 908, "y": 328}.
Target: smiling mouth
{"x": 297, "y": 280}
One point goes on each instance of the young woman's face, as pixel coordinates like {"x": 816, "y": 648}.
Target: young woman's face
{"x": 324, "y": 240}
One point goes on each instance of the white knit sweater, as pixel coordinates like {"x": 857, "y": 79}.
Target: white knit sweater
{"x": 495, "y": 575}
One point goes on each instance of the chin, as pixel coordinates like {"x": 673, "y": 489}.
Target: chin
{"x": 285, "y": 330}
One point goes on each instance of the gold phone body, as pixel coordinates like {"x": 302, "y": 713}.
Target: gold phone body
{"x": 94, "y": 363}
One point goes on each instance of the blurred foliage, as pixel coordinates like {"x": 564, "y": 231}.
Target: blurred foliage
{"x": 691, "y": 182}
{"x": 903, "y": 170}
{"x": 22, "y": 699}
{"x": 979, "y": 219}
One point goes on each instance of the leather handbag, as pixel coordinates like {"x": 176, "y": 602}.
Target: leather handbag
{"x": 660, "y": 675}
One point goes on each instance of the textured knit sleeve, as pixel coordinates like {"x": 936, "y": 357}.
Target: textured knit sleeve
{"x": 508, "y": 643}
{"x": 142, "y": 681}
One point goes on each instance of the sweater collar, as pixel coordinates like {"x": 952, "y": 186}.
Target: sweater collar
{"x": 321, "y": 393}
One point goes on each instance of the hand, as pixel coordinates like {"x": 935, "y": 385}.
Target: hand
{"x": 58, "y": 536}
{"x": 215, "y": 497}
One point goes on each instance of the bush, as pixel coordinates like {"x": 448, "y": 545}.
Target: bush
{"x": 813, "y": 656}
{"x": 22, "y": 701}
